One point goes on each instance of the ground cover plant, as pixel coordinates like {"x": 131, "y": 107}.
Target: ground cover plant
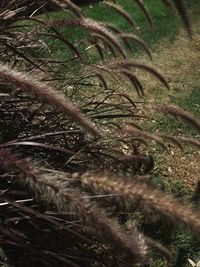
{"x": 74, "y": 157}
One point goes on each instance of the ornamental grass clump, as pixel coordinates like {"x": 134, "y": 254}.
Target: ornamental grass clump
{"x": 74, "y": 154}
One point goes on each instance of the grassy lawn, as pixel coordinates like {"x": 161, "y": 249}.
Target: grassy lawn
{"x": 166, "y": 25}
{"x": 176, "y": 173}
{"x": 179, "y": 60}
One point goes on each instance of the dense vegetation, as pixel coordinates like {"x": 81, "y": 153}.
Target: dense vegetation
{"x": 77, "y": 184}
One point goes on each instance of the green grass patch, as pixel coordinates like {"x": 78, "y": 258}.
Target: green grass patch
{"x": 166, "y": 25}
{"x": 180, "y": 242}
{"x": 189, "y": 103}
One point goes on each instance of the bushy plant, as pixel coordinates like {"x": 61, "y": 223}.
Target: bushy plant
{"x": 73, "y": 151}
